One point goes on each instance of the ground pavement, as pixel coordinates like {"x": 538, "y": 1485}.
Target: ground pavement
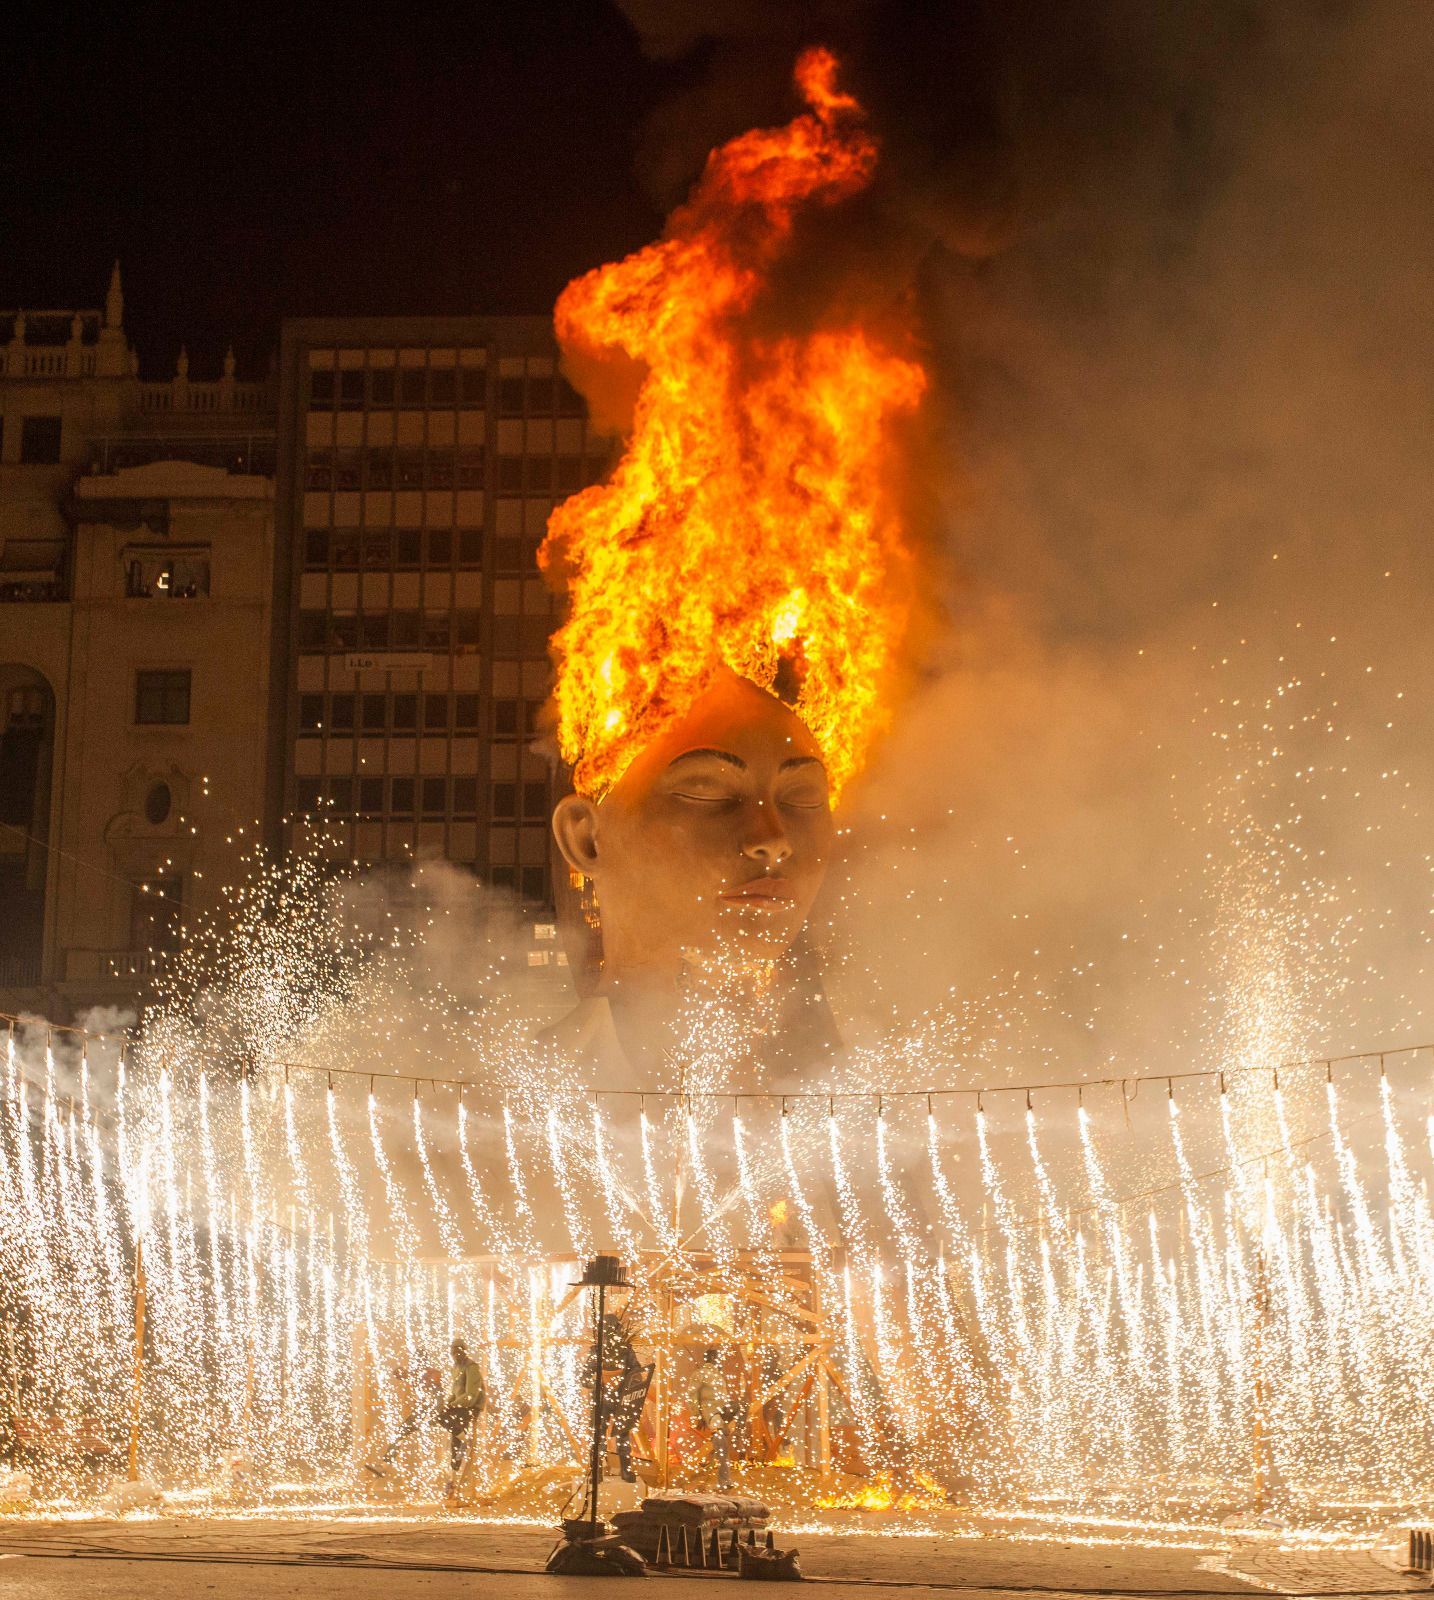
{"x": 164, "y": 1558}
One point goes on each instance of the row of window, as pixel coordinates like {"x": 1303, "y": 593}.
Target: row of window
{"x": 412, "y": 388}
{"x": 400, "y": 713}
{"x": 411, "y": 550}
{"x": 429, "y": 798}
{"x": 349, "y": 470}
{"x": 390, "y": 549}
{"x": 382, "y": 467}
{"x": 336, "y": 632}
{"x": 424, "y": 388}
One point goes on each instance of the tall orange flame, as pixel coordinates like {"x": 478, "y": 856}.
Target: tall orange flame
{"x": 750, "y": 521}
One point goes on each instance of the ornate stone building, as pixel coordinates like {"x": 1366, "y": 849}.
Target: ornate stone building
{"x": 137, "y": 564}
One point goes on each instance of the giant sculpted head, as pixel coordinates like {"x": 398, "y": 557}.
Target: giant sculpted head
{"x": 712, "y": 845}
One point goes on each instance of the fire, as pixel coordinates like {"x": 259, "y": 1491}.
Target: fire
{"x": 882, "y": 1493}
{"x": 778, "y": 1213}
{"x": 751, "y": 520}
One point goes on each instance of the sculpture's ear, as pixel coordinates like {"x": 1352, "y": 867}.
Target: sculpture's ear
{"x": 575, "y": 829}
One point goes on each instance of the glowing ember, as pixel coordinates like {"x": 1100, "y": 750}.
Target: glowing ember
{"x": 751, "y": 521}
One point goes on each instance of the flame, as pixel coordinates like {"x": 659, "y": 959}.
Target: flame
{"x": 778, "y": 1213}
{"x": 923, "y": 1493}
{"x": 750, "y": 521}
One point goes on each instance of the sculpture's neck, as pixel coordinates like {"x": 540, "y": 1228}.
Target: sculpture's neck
{"x": 658, "y": 1012}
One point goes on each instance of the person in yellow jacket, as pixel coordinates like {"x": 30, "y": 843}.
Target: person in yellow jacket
{"x": 466, "y": 1401}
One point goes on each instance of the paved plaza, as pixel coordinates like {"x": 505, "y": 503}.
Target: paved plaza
{"x": 163, "y": 1558}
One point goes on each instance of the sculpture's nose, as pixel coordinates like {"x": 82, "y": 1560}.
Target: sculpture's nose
{"x": 766, "y": 839}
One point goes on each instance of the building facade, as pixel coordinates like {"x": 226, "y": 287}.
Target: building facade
{"x": 137, "y": 578}
{"x": 419, "y": 460}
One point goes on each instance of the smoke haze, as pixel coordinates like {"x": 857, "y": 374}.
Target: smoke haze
{"x": 1161, "y": 792}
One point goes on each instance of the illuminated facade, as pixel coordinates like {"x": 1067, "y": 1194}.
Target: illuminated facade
{"x": 136, "y": 584}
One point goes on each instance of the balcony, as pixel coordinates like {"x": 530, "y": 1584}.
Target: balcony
{"x": 113, "y": 966}
{"x": 28, "y": 588}
{"x": 248, "y": 453}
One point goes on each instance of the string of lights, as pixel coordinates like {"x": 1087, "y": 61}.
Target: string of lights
{"x": 1129, "y": 1084}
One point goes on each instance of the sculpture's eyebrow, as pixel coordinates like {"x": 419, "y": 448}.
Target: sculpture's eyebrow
{"x": 801, "y": 761}
{"x": 718, "y": 755}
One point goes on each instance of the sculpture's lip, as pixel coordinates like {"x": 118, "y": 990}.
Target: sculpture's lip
{"x": 760, "y": 891}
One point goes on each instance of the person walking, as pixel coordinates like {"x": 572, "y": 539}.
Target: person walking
{"x": 466, "y": 1402}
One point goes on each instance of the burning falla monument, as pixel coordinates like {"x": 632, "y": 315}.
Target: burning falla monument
{"x": 738, "y": 589}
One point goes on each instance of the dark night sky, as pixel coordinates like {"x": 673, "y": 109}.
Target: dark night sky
{"x": 247, "y": 163}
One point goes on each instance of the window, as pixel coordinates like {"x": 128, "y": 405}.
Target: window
{"x": 409, "y": 473}
{"x": 465, "y": 797}
{"x": 535, "y": 800}
{"x": 404, "y": 629}
{"x": 473, "y": 386}
{"x": 380, "y": 469}
{"x": 40, "y": 440}
{"x": 374, "y": 709}
{"x": 505, "y": 719}
{"x": 161, "y": 697}
{"x": 370, "y": 797}
{"x": 405, "y": 713}
{"x": 341, "y": 794}
{"x": 440, "y": 469}
{"x": 465, "y": 713}
{"x": 440, "y": 547}
{"x": 348, "y": 468}
{"x": 570, "y": 402}
{"x": 346, "y": 549}
{"x": 351, "y": 389}
{"x": 157, "y": 804}
{"x": 374, "y": 631}
{"x": 466, "y": 626}
{"x": 435, "y": 631}
{"x": 407, "y": 547}
{"x": 540, "y": 474}
{"x": 311, "y": 712}
{"x": 312, "y": 631}
{"x": 155, "y": 913}
{"x": 434, "y": 796}
{"x": 442, "y": 386}
{"x": 534, "y": 883}
{"x": 435, "y": 713}
{"x": 540, "y": 394}
{"x": 380, "y": 386}
{"x": 316, "y": 548}
{"x": 166, "y": 574}
{"x": 503, "y": 877}
{"x": 411, "y": 387}
{"x": 470, "y": 546}
{"x": 508, "y": 555}
{"x": 308, "y": 795}
{"x": 510, "y": 397}
{"x": 319, "y": 470}
{"x": 400, "y": 796}
{"x": 470, "y": 467}
{"x": 341, "y": 713}
{"x": 321, "y": 391}
{"x": 567, "y": 474}
{"x": 505, "y": 801}
{"x": 377, "y": 549}
{"x": 510, "y": 474}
